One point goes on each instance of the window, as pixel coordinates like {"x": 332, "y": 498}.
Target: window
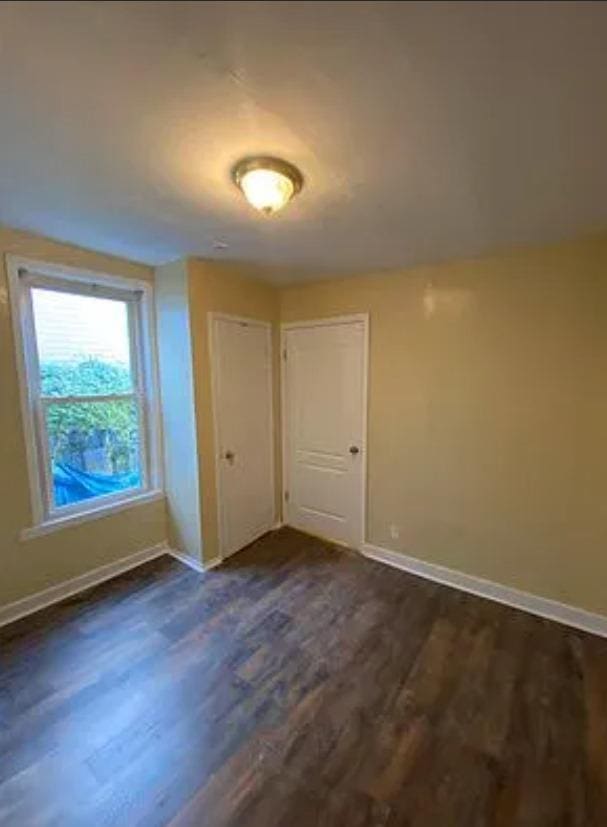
{"x": 85, "y": 349}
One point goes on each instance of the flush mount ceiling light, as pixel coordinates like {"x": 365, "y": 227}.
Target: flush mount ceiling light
{"x": 268, "y": 184}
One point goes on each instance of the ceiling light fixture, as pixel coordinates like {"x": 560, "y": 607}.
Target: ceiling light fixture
{"x": 267, "y": 183}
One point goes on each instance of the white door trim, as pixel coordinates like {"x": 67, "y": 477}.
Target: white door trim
{"x": 214, "y": 317}
{"x": 328, "y": 320}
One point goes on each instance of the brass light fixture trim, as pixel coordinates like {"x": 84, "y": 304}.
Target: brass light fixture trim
{"x": 269, "y": 164}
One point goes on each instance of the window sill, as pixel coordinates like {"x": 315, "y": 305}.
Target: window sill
{"x": 92, "y": 514}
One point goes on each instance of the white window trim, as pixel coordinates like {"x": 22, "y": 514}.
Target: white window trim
{"x": 144, "y": 361}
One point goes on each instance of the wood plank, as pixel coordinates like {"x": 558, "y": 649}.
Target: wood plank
{"x": 298, "y": 684}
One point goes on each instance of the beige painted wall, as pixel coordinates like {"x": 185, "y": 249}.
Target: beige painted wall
{"x": 487, "y": 410}
{"x": 181, "y": 477}
{"x": 28, "y": 567}
{"x": 488, "y": 414}
{"x": 225, "y": 289}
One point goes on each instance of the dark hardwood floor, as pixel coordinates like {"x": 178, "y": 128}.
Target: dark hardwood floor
{"x": 298, "y": 685}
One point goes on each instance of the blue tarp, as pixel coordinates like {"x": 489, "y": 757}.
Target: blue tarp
{"x": 72, "y": 485}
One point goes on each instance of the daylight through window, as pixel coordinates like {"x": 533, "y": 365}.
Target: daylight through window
{"x": 89, "y": 387}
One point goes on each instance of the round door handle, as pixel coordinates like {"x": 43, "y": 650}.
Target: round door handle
{"x": 354, "y": 450}
{"x": 229, "y": 455}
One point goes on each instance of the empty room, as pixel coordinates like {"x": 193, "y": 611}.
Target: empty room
{"x": 303, "y": 414}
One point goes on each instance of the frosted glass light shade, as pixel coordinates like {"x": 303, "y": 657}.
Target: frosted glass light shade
{"x": 267, "y": 190}
{"x": 268, "y": 184}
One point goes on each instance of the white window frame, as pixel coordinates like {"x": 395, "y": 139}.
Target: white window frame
{"x": 23, "y": 274}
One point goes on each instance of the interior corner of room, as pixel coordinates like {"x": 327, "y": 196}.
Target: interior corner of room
{"x": 303, "y": 413}
{"x": 479, "y": 433}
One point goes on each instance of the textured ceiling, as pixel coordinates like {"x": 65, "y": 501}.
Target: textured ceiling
{"x": 425, "y": 131}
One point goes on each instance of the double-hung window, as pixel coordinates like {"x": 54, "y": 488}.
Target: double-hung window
{"x": 85, "y": 352}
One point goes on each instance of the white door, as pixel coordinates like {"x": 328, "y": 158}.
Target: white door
{"x": 324, "y": 438}
{"x": 241, "y": 357}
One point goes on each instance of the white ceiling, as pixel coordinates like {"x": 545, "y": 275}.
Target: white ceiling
{"x": 425, "y": 131}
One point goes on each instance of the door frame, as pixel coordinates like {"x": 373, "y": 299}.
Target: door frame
{"x": 213, "y": 317}
{"x": 326, "y": 321}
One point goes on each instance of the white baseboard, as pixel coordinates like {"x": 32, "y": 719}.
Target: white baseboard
{"x": 192, "y": 563}
{"x": 39, "y": 600}
{"x": 551, "y": 609}
{"x": 196, "y": 565}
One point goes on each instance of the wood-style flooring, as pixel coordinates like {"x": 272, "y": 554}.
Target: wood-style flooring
{"x": 298, "y": 685}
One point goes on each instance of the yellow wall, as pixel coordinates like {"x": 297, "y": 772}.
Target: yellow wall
{"x": 487, "y": 410}
{"x": 181, "y": 475}
{"x": 224, "y": 289}
{"x": 28, "y": 567}
{"x": 488, "y": 414}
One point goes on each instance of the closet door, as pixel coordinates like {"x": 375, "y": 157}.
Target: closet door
{"x": 241, "y": 358}
{"x": 324, "y": 429}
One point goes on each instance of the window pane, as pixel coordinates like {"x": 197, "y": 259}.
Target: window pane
{"x": 94, "y": 449}
{"x": 83, "y": 344}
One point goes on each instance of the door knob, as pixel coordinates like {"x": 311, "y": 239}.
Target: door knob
{"x": 354, "y": 450}
{"x": 229, "y": 455}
